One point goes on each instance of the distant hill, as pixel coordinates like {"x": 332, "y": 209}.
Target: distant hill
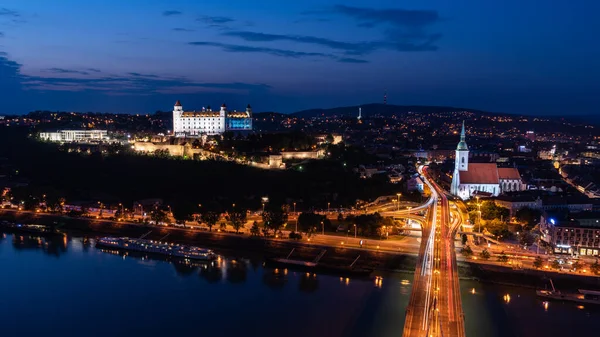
{"x": 258, "y": 115}
{"x": 378, "y": 109}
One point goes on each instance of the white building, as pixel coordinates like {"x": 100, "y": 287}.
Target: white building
{"x": 481, "y": 177}
{"x": 76, "y": 136}
{"x": 209, "y": 122}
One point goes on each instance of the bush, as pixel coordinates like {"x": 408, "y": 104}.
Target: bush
{"x": 466, "y": 251}
{"x": 538, "y": 262}
{"x": 485, "y": 254}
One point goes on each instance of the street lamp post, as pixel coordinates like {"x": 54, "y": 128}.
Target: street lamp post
{"x": 398, "y": 195}
{"x": 323, "y": 227}
{"x": 328, "y": 207}
{"x": 263, "y": 207}
{"x": 355, "y": 231}
{"x": 296, "y": 215}
{"x": 479, "y": 211}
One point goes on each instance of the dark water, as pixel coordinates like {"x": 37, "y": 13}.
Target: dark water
{"x": 64, "y": 288}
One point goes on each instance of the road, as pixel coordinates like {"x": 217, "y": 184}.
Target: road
{"x": 435, "y": 307}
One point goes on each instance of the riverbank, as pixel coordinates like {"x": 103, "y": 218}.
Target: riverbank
{"x": 228, "y": 244}
{"x": 243, "y": 245}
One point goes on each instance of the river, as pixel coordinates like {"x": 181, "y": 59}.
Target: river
{"x": 56, "y": 287}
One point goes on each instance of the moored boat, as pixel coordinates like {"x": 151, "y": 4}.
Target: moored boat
{"x": 316, "y": 267}
{"x": 583, "y": 296}
{"x": 157, "y": 247}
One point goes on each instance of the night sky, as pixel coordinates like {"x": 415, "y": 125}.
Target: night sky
{"x": 139, "y": 56}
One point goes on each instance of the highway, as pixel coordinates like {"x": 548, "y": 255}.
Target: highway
{"x": 435, "y": 307}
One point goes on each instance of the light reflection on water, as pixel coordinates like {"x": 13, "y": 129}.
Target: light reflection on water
{"x": 72, "y": 283}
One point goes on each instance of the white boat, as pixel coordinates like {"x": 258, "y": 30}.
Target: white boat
{"x": 157, "y": 247}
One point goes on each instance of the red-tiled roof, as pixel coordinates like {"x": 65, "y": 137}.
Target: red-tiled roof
{"x": 508, "y": 173}
{"x": 177, "y": 103}
{"x": 480, "y": 173}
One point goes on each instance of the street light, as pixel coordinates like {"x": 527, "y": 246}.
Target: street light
{"x": 355, "y": 231}
{"x": 323, "y": 227}
{"x": 328, "y": 207}
{"x": 479, "y": 210}
{"x": 398, "y": 195}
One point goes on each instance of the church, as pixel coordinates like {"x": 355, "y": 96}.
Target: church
{"x": 487, "y": 179}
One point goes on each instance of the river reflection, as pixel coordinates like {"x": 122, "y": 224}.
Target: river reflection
{"x": 53, "y": 245}
{"x": 92, "y": 292}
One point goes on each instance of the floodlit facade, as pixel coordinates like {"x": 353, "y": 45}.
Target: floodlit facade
{"x": 481, "y": 178}
{"x": 75, "y": 136}
{"x": 209, "y": 122}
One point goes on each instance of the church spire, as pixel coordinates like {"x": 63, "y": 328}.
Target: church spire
{"x": 462, "y": 146}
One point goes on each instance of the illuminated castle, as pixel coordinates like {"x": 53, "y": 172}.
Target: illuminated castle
{"x": 209, "y": 122}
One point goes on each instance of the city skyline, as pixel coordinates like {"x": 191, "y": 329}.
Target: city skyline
{"x": 113, "y": 57}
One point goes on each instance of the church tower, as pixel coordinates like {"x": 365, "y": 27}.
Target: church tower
{"x": 177, "y": 123}
{"x": 461, "y": 161}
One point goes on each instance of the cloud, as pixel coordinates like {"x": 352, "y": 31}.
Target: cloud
{"x": 143, "y": 75}
{"x": 171, "y": 13}
{"x": 66, "y": 71}
{"x": 215, "y": 19}
{"x": 182, "y": 30}
{"x": 355, "y": 48}
{"x": 234, "y": 48}
{"x": 395, "y": 41}
{"x": 403, "y": 30}
{"x": 396, "y": 17}
{"x": 351, "y": 60}
{"x": 8, "y": 12}
{"x": 94, "y": 70}
{"x": 221, "y": 22}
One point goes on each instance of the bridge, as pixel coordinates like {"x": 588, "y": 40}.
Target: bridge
{"x": 435, "y": 307}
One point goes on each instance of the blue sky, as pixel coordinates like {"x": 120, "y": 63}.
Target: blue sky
{"x": 138, "y": 56}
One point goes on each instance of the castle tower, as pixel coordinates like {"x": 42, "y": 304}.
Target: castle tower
{"x": 249, "y": 111}
{"x": 223, "y": 111}
{"x": 177, "y": 113}
{"x": 359, "y": 113}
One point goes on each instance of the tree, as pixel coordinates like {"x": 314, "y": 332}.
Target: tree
{"x": 182, "y": 212}
{"x": 528, "y": 216}
{"x": 295, "y": 236}
{"x": 497, "y": 227}
{"x": 210, "y": 218}
{"x": 329, "y": 138}
{"x": 467, "y": 251}
{"x": 503, "y": 257}
{"x": 274, "y": 218}
{"x": 555, "y": 264}
{"x": 255, "y": 230}
{"x": 158, "y": 215}
{"x": 308, "y": 222}
{"x": 526, "y": 239}
{"x": 538, "y": 262}
{"x": 463, "y": 239}
{"x": 595, "y": 268}
{"x": 485, "y": 254}
{"x": 576, "y": 265}
{"x": 237, "y": 217}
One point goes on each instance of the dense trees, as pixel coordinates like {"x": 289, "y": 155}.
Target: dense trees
{"x": 126, "y": 177}
{"x": 237, "y": 217}
{"x": 529, "y": 217}
{"x": 274, "y": 218}
{"x": 210, "y": 218}
{"x": 310, "y": 222}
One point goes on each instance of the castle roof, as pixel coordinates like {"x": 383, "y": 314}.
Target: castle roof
{"x": 223, "y": 106}
{"x": 480, "y": 173}
{"x": 177, "y": 103}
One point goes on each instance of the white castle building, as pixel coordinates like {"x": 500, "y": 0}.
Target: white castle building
{"x": 481, "y": 178}
{"x": 209, "y": 122}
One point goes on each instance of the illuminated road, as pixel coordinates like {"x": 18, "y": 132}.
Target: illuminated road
{"x": 435, "y": 307}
